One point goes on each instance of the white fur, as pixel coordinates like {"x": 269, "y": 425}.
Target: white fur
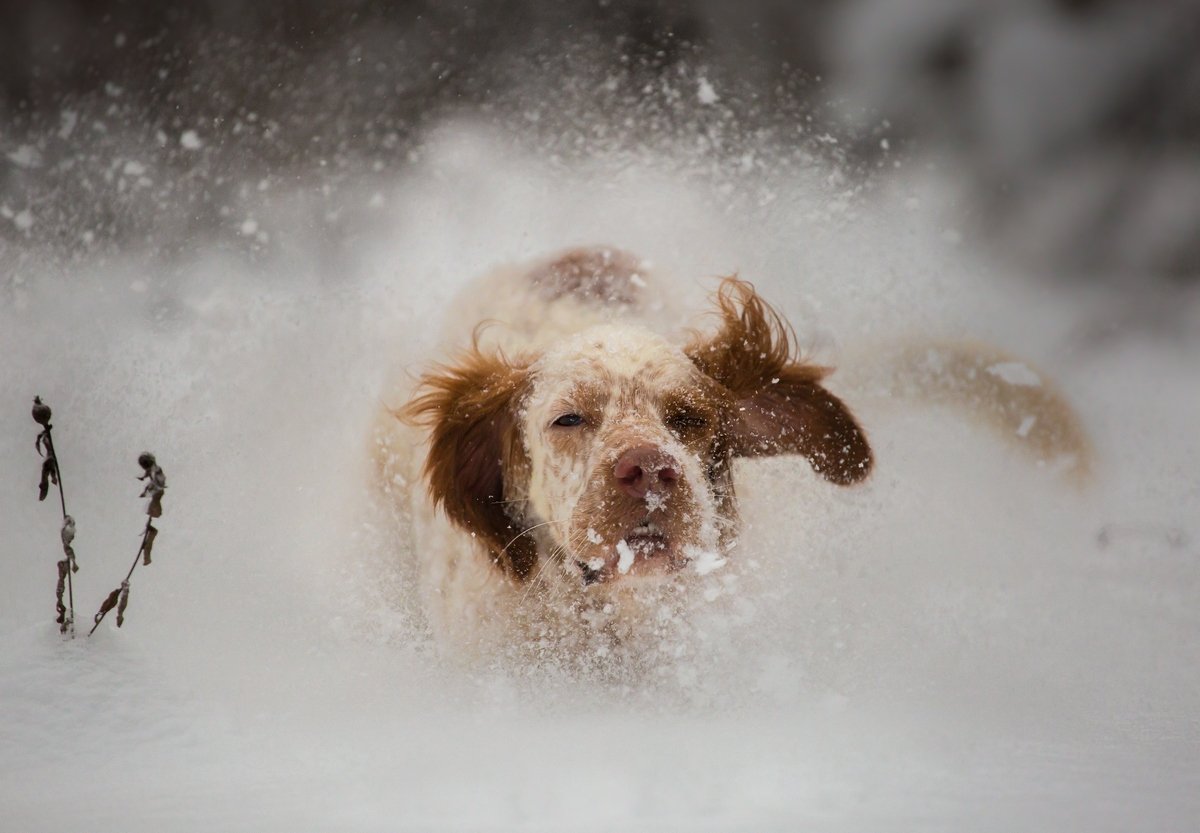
{"x": 473, "y": 608}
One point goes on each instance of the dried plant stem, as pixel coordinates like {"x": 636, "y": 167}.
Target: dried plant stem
{"x": 114, "y": 597}
{"x": 52, "y": 473}
{"x": 62, "y": 502}
{"x": 156, "y": 484}
{"x": 62, "y": 498}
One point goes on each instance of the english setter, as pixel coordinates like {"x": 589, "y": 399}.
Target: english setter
{"x": 574, "y": 461}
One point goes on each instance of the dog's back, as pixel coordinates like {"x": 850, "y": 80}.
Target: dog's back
{"x": 530, "y": 306}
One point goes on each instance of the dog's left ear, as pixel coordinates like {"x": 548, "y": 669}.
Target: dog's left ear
{"x": 780, "y": 406}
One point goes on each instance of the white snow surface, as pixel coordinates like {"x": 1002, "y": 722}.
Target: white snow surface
{"x": 963, "y": 643}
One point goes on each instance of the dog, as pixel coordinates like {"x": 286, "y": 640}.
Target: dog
{"x": 570, "y": 473}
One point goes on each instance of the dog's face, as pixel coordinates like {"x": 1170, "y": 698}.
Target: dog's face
{"x": 626, "y": 464}
{"x": 610, "y": 454}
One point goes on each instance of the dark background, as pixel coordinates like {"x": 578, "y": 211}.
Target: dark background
{"x": 1073, "y": 126}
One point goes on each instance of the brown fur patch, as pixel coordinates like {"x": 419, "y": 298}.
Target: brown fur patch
{"x": 1034, "y": 415}
{"x": 475, "y": 450}
{"x": 781, "y": 407}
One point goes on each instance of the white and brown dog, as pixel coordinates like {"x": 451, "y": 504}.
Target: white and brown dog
{"x": 577, "y": 463}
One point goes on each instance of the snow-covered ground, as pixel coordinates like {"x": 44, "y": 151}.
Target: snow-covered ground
{"x": 965, "y": 643}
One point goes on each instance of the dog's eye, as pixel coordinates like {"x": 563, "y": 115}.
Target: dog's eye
{"x": 569, "y": 420}
{"x": 685, "y": 421}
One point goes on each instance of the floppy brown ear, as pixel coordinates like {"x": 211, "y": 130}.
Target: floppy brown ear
{"x": 470, "y": 409}
{"x": 780, "y": 406}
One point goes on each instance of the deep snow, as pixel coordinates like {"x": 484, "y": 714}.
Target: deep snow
{"x": 965, "y": 643}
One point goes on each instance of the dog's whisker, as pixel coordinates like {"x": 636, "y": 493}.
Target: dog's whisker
{"x": 573, "y": 541}
{"x": 531, "y": 529}
{"x": 546, "y": 561}
{"x": 533, "y": 580}
{"x": 556, "y": 589}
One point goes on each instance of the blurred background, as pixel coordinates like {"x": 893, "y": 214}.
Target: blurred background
{"x": 225, "y": 225}
{"x": 1069, "y": 129}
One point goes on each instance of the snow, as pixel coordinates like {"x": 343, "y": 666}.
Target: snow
{"x": 1026, "y": 426}
{"x": 67, "y": 121}
{"x": 26, "y": 156}
{"x": 624, "y": 556}
{"x": 964, "y": 643}
{"x": 705, "y": 93}
{"x": 706, "y": 561}
{"x": 655, "y": 501}
{"x": 190, "y": 140}
{"x": 1015, "y": 373}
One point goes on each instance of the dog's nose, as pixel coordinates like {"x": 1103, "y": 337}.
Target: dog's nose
{"x": 645, "y": 468}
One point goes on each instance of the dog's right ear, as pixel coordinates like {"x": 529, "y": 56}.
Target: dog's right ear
{"x": 470, "y": 409}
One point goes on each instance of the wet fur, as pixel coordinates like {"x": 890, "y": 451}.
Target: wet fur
{"x": 507, "y": 509}
{"x": 514, "y": 508}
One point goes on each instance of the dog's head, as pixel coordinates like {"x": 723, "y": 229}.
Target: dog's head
{"x": 610, "y": 453}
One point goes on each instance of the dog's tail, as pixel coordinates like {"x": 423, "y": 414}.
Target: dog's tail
{"x": 1006, "y": 394}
